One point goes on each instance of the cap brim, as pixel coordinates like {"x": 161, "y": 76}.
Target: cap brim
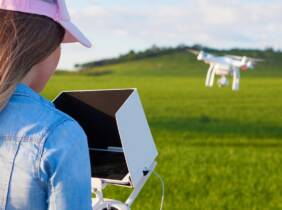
{"x": 73, "y": 34}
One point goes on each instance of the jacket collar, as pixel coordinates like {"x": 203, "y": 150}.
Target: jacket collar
{"x": 24, "y": 90}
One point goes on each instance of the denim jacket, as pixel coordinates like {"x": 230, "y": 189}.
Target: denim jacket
{"x": 44, "y": 158}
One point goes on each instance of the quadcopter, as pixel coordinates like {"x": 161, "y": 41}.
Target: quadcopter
{"x": 224, "y": 66}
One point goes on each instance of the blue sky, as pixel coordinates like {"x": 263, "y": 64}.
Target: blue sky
{"x": 116, "y": 26}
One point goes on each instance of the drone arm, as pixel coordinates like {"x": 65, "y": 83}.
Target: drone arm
{"x": 208, "y": 78}
{"x": 212, "y": 76}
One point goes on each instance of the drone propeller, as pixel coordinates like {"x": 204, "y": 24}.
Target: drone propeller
{"x": 236, "y": 57}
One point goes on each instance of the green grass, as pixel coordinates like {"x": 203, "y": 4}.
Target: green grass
{"x": 218, "y": 149}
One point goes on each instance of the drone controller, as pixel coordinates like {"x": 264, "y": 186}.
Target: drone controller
{"x": 100, "y": 203}
{"x": 121, "y": 147}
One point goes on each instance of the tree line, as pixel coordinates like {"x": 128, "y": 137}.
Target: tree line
{"x": 155, "y": 51}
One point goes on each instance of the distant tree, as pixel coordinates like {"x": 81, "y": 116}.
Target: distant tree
{"x": 269, "y": 49}
{"x": 154, "y": 48}
{"x": 198, "y": 47}
{"x": 181, "y": 47}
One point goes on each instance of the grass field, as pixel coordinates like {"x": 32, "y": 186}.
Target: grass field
{"x": 218, "y": 149}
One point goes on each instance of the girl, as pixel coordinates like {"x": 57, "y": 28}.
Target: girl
{"x": 44, "y": 159}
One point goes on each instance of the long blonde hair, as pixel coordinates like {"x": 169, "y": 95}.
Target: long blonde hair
{"x": 25, "y": 40}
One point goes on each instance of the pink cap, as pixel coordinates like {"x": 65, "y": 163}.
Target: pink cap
{"x": 55, "y": 9}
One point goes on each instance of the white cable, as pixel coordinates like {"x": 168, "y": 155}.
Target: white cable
{"x": 163, "y": 188}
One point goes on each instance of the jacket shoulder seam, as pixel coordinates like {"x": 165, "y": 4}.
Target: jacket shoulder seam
{"x": 49, "y": 132}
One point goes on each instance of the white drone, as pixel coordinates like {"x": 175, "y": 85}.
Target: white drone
{"x": 224, "y": 66}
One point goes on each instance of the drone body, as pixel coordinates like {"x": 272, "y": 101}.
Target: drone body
{"x": 224, "y": 66}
